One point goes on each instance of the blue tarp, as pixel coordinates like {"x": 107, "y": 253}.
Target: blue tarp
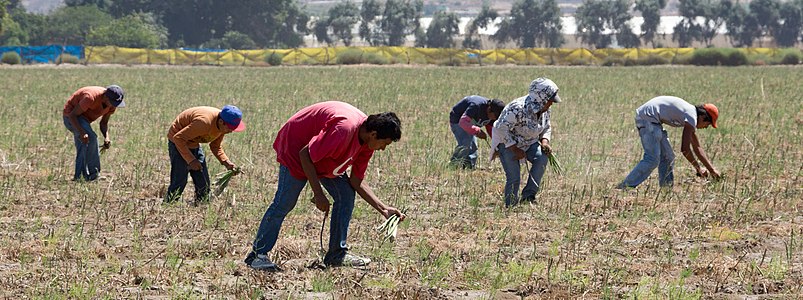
{"x": 44, "y": 54}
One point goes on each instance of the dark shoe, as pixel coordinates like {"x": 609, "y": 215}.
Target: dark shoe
{"x": 351, "y": 260}
{"x": 530, "y": 199}
{"x": 261, "y": 262}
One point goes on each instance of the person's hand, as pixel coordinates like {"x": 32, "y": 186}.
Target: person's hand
{"x": 106, "y": 144}
{"x": 517, "y": 153}
{"x": 546, "y": 149}
{"x": 716, "y": 175}
{"x": 389, "y": 211}
{"x": 85, "y": 138}
{"x": 321, "y": 202}
{"x": 702, "y": 173}
{"x": 228, "y": 164}
{"x": 195, "y": 165}
{"x": 481, "y": 134}
{"x": 495, "y": 155}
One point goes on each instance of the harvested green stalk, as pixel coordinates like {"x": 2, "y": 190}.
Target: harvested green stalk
{"x": 223, "y": 180}
{"x": 487, "y": 136}
{"x": 555, "y": 164}
{"x": 389, "y": 229}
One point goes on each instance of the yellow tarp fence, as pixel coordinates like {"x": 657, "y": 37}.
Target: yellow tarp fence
{"x": 400, "y": 55}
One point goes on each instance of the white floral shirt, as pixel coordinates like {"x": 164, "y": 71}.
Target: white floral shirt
{"x": 520, "y": 124}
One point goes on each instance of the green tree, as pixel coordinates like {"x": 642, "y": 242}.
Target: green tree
{"x": 133, "y": 31}
{"x": 320, "y": 29}
{"x": 342, "y": 18}
{"x": 485, "y": 17}
{"x": 651, "y": 12}
{"x": 271, "y": 23}
{"x": 599, "y": 21}
{"x": 232, "y": 40}
{"x": 442, "y": 30}
{"x": 70, "y": 25}
{"x": 11, "y": 33}
{"x": 768, "y": 15}
{"x": 11, "y": 4}
{"x": 791, "y": 17}
{"x": 619, "y": 11}
{"x": 551, "y": 35}
{"x": 31, "y": 27}
{"x": 713, "y": 18}
{"x": 369, "y": 10}
{"x": 688, "y": 29}
{"x": 102, "y": 4}
{"x": 119, "y": 8}
{"x": 742, "y": 26}
{"x": 400, "y": 19}
{"x": 532, "y": 24}
{"x": 3, "y": 14}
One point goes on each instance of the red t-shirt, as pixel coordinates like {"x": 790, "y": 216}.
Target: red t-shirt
{"x": 90, "y": 98}
{"x": 331, "y": 129}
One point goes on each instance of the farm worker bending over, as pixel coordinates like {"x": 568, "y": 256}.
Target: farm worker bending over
{"x": 466, "y": 120}
{"x": 202, "y": 124}
{"x": 318, "y": 144}
{"x": 524, "y": 131}
{"x": 85, "y": 106}
{"x": 674, "y": 112}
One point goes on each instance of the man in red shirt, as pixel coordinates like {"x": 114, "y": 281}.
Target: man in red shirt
{"x": 318, "y": 144}
{"x": 85, "y": 106}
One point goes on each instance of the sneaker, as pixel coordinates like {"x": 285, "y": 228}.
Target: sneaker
{"x": 261, "y": 262}
{"x": 351, "y": 260}
{"x": 530, "y": 199}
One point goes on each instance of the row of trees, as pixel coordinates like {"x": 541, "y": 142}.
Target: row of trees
{"x": 249, "y": 24}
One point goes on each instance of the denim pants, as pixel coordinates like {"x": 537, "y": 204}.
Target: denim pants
{"x": 465, "y": 154}
{"x": 87, "y": 156}
{"x": 287, "y": 193}
{"x": 178, "y": 174}
{"x": 512, "y": 167}
{"x": 657, "y": 153}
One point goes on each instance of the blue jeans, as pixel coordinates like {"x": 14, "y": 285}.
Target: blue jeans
{"x": 289, "y": 188}
{"x": 87, "y": 156}
{"x": 657, "y": 153}
{"x": 178, "y": 175}
{"x": 465, "y": 154}
{"x": 512, "y": 169}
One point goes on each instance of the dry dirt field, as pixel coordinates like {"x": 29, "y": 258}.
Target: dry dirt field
{"x": 734, "y": 239}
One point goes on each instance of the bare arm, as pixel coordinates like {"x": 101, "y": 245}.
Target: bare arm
{"x": 104, "y": 129}
{"x": 691, "y": 143}
{"x": 319, "y": 198}
{"x": 77, "y": 111}
{"x": 368, "y": 195}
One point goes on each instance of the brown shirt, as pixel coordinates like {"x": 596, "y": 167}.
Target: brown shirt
{"x": 195, "y": 126}
{"x": 90, "y": 99}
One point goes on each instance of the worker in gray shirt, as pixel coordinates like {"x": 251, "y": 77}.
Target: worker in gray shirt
{"x": 675, "y": 112}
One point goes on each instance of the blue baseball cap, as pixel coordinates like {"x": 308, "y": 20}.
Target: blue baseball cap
{"x": 232, "y": 116}
{"x": 115, "y": 94}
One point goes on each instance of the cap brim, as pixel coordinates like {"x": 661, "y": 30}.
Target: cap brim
{"x": 239, "y": 127}
{"x": 122, "y": 104}
{"x": 556, "y": 99}
{"x": 714, "y": 124}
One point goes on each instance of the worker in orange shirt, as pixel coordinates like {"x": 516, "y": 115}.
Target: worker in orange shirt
{"x": 192, "y": 127}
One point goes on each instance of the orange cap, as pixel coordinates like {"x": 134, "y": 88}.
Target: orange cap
{"x": 713, "y": 112}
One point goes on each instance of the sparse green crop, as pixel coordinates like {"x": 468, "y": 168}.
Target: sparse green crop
{"x": 115, "y": 239}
